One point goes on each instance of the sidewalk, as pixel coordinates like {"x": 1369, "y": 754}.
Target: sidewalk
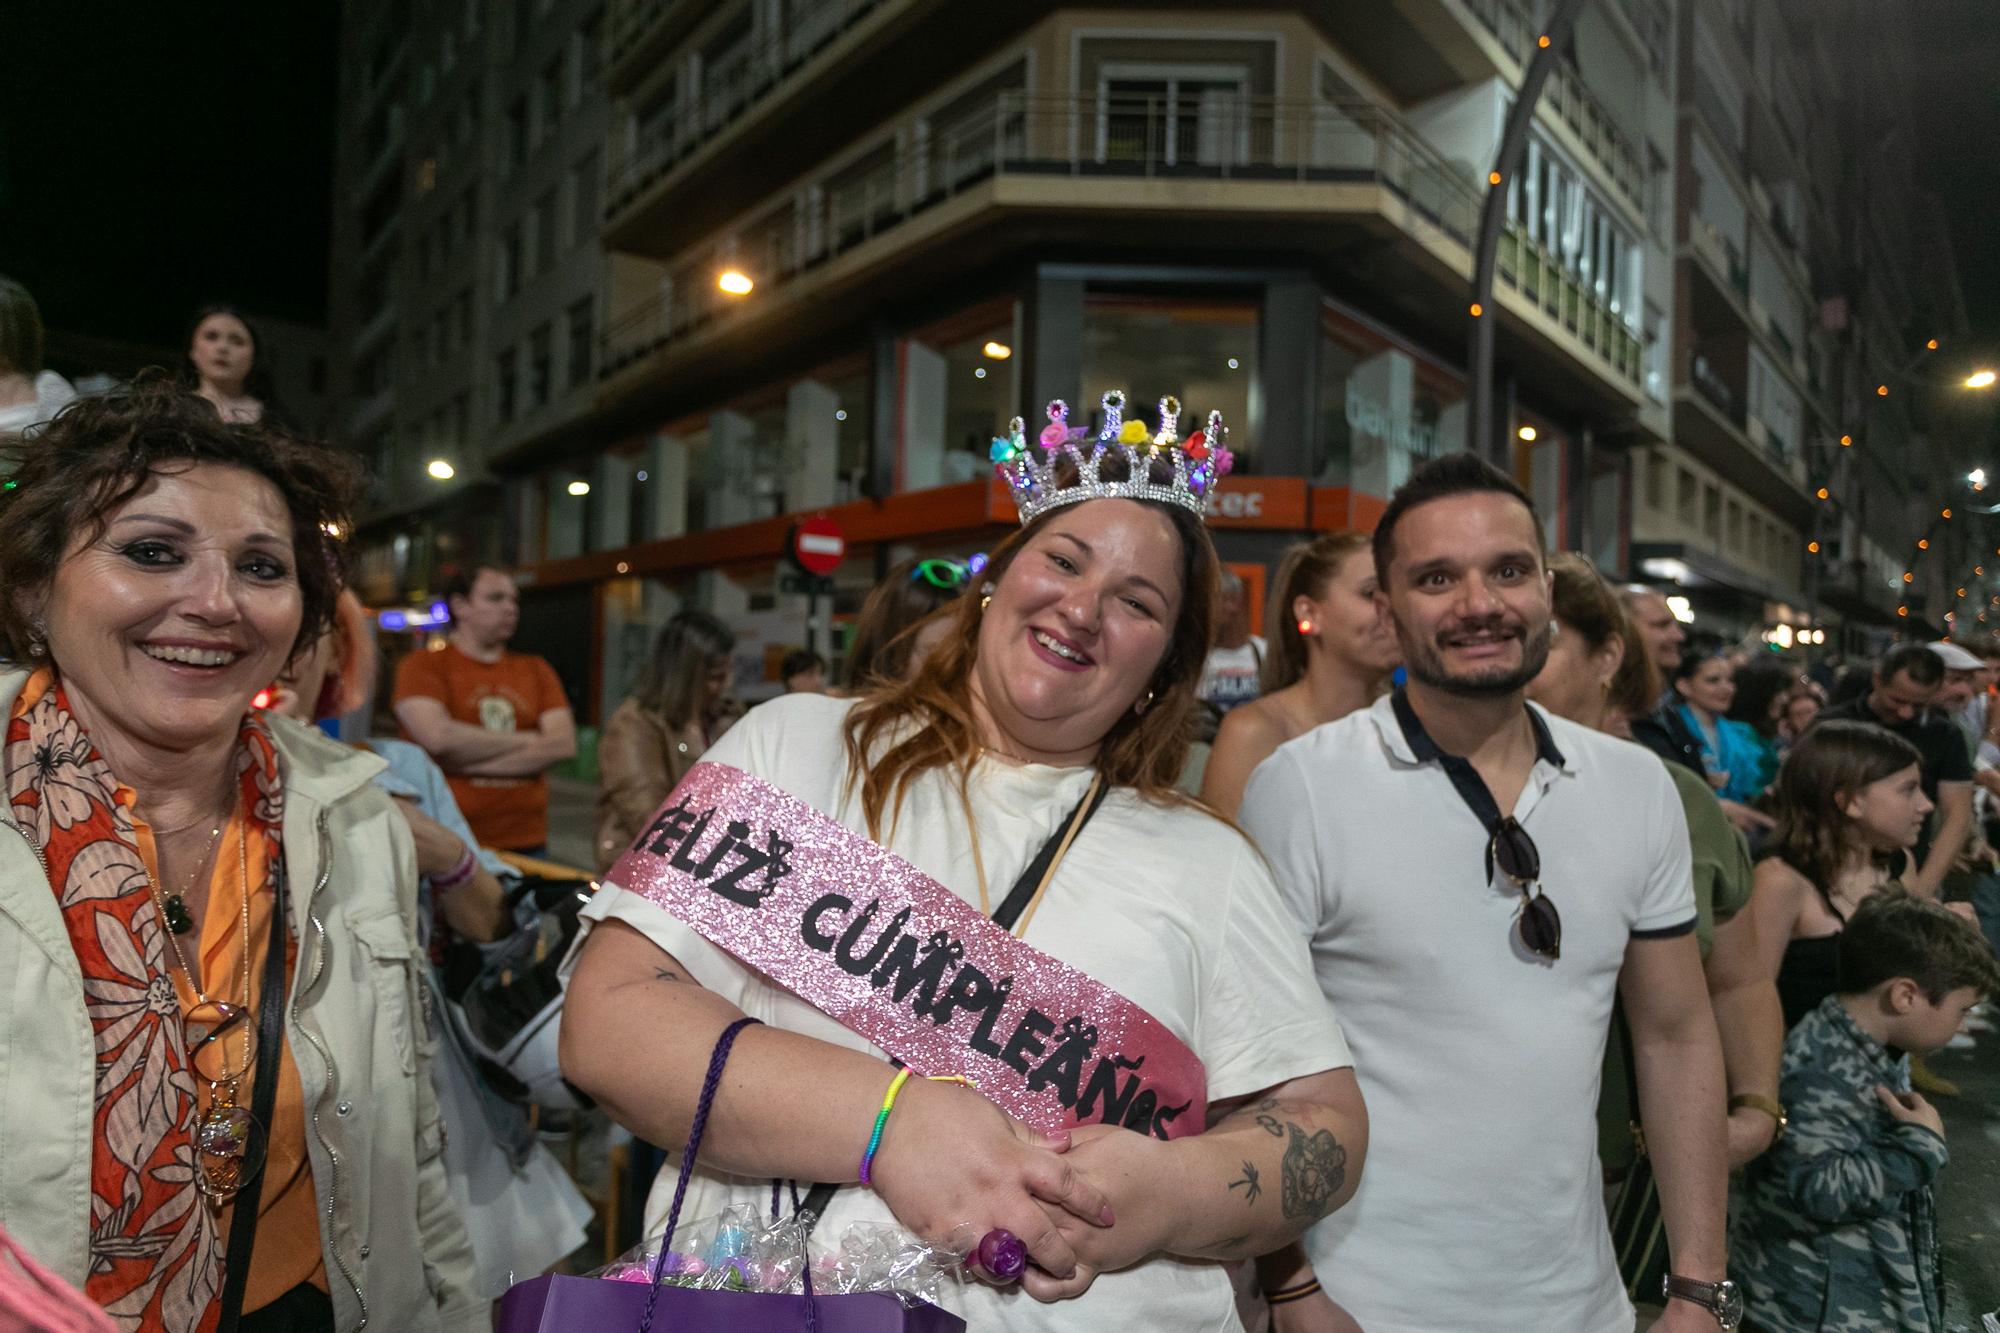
{"x": 571, "y": 822}
{"x": 1968, "y": 1193}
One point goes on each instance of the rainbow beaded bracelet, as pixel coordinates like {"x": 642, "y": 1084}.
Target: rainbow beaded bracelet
{"x": 889, "y": 1104}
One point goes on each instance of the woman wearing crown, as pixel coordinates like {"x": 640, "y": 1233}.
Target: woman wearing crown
{"x": 1158, "y": 1084}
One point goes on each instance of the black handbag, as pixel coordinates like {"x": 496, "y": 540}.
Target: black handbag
{"x": 509, "y": 999}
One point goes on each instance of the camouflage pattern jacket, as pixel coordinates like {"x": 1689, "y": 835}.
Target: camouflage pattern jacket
{"x": 1835, "y": 1229}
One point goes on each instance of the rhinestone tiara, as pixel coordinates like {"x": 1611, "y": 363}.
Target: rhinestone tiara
{"x": 1198, "y": 462}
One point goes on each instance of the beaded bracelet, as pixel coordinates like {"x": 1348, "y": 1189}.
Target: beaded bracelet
{"x": 459, "y": 873}
{"x": 889, "y": 1104}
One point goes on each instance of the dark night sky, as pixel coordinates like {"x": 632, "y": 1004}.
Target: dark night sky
{"x": 157, "y": 156}
{"x": 1958, "y": 101}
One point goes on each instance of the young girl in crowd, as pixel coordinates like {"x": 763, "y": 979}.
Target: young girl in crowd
{"x": 1850, "y": 806}
{"x": 1333, "y": 656}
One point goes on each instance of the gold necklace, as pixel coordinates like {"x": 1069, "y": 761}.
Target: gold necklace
{"x": 1034, "y": 902}
{"x": 168, "y": 905}
{"x": 173, "y": 906}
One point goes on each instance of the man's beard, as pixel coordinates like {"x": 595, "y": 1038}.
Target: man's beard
{"x": 1426, "y": 665}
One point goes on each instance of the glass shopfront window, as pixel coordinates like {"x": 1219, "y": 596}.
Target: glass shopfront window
{"x": 1382, "y": 407}
{"x": 1202, "y": 351}
{"x": 959, "y": 385}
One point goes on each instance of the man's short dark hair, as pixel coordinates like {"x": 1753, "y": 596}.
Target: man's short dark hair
{"x": 1914, "y": 660}
{"x": 1895, "y": 934}
{"x": 1438, "y": 479}
{"x": 459, "y": 586}
{"x": 799, "y": 661}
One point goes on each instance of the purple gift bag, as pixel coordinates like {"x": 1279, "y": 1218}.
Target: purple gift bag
{"x": 559, "y": 1304}
{"x": 577, "y": 1304}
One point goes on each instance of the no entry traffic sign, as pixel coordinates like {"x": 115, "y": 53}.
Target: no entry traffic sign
{"x": 818, "y": 545}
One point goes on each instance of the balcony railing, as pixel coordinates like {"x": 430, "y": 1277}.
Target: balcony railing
{"x": 1541, "y": 277}
{"x": 1710, "y": 385}
{"x": 728, "y": 88}
{"x": 1087, "y": 137}
{"x": 1516, "y": 27}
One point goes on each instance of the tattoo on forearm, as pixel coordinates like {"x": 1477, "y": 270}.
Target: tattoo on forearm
{"x": 667, "y": 974}
{"x": 1315, "y": 1167}
{"x": 1270, "y": 1126}
{"x": 1252, "y": 1186}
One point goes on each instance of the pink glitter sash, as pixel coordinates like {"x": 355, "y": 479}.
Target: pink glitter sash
{"x": 889, "y": 953}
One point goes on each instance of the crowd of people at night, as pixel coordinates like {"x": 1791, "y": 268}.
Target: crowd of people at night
{"x": 1473, "y": 948}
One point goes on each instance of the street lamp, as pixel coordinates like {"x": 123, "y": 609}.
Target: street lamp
{"x": 442, "y": 470}
{"x": 734, "y": 282}
{"x": 1978, "y": 478}
{"x": 1981, "y": 379}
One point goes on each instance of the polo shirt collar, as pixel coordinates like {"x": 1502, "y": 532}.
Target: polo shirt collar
{"x": 1406, "y": 738}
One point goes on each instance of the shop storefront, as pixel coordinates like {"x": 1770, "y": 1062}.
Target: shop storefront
{"x": 1328, "y": 412}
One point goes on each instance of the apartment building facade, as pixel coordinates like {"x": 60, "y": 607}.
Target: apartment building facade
{"x": 947, "y": 216}
{"x": 468, "y": 272}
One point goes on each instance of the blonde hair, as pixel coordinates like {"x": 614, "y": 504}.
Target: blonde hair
{"x": 1305, "y": 570}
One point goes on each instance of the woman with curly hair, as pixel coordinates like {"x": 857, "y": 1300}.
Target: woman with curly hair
{"x": 214, "y": 1042}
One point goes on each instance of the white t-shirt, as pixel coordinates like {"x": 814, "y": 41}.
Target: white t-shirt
{"x": 1481, "y": 1209}
{"x": 1167, "y": 906}
{"x": 1229, "y": 676}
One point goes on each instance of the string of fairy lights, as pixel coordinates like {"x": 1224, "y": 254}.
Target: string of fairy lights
{"x": 1977, "y": 379}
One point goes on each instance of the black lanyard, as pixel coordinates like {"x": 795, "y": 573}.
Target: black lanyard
{"x": 264, "y": 1093}
{"x": 1471, "y": 788}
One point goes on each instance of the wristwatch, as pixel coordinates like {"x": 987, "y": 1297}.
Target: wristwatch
{"x": 1757, "y": 1101}
{"x": 1722, "y": 1299}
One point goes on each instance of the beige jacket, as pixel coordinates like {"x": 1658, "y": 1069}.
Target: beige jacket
{"x": 396, "y": 1253}
{"x": 640, "y": 758}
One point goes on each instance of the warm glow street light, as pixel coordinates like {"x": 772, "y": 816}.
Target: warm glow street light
{"x": 1977, "y": 477}
{"x": 997, "y": 351}
{"x": 579, "y": 488}
{"x": 1527, "y": 434}
{"x": 442, "y": 470}
{"x": 735, "y": 282}
{"x": 1981, "y": 379}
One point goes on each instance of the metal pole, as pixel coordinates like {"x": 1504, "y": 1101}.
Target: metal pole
{"x": 1554, "y": 38}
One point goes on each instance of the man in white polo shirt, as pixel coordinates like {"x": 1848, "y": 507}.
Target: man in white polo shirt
{"x": 1473, "y": 956}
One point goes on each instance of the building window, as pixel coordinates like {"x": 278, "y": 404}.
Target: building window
{"x": 1656, "y": 481}
{"x": 585, "y": 183}
{"x": 1687, "y": 499}
{"x": 517, "y": 133}
{"x": 508, "y": 279}
{"x": 1202, "y": 350}
{"x": 545, "y": 231}
{"x": 1711, "y": 512}
{"x": 505, "y": 383}
{"x": 1382, "y": 408}
{"x": 957, "y": 380}
{"x": 461, "y": 309}
{"x": 582, "y": 341}
{"x": 548, "y": 100}
{"x": 540, "y": 349}
{"x": 1173, "y": 115}
{"x": 968, "y": 133}
{"x": 589, "y": 52}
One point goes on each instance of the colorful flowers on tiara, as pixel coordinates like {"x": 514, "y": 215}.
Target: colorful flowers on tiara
{"x": 1198, "y": 463}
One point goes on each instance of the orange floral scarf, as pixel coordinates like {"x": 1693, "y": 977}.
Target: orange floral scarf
{"x": 156, "y": 1251}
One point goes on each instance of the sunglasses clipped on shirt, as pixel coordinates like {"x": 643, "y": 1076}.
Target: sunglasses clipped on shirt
{"x": 1514, "y": 854}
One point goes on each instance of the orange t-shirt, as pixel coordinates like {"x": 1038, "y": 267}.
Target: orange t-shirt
{"x": 508, "y": 695}
{"x": 288, "y": 1237}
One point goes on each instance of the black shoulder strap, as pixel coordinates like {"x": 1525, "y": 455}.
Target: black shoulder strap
{"x": 1005, "y": 915}
{"x": 264, "y": 1092}
{"x": 1017, "y": 899}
